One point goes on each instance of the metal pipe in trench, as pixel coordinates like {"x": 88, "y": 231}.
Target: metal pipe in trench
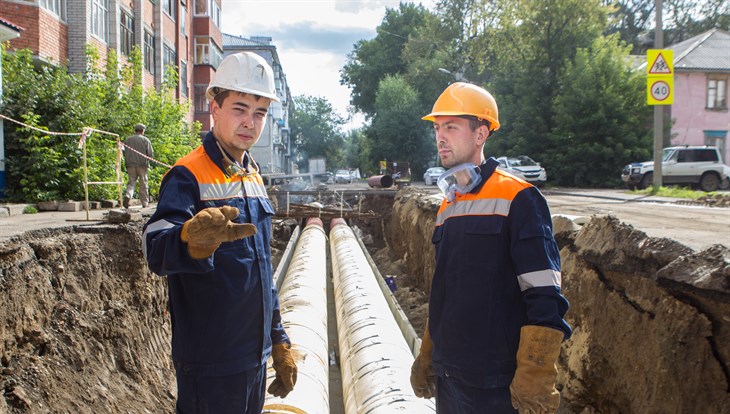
{"x": 303, "y": 304}
{"x": 375, "y": 359}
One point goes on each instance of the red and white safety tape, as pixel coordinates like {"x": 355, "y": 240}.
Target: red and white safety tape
{"x": 85, "y": 133}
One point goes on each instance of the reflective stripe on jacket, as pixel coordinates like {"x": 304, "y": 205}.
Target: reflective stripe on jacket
{"x": 497, "y": 269}
{"x": 225, "y": 309}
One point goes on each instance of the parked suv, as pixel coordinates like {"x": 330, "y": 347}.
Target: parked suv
{"x": 693, "y": 165}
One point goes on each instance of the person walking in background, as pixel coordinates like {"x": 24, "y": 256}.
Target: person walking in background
{"x": 135, "y": 158}
{"x": 210, "y": 235}
{"x": 496, "y": 310}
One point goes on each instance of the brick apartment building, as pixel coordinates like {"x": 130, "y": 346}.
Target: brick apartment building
{"x": 182, "y": 33}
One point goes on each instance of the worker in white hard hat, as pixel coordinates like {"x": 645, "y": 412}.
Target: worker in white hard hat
{"x": 496, "y": 311}
{"x": 210, "y": 237}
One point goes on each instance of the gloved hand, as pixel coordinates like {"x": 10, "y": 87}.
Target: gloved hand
{"x": 212, "y": 226}
{"x": 286, "y": 370}
{"x": 423, "y": 380}
{"x": 533, "y": 387}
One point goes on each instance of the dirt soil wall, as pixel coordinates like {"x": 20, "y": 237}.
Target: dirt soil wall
{"x": 651, "y": 317}
{"x": 83, "y": 324}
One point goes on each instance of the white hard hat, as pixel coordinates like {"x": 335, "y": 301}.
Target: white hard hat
{"x": 244, "y": 72}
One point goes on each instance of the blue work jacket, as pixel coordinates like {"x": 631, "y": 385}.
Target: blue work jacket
{"x": 497, "y": 269}
{"x": 224, "y": 309}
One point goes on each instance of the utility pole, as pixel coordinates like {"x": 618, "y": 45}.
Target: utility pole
{"x": 658, "y": 109}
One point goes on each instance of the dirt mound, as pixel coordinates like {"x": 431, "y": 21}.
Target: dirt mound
{"x": 84, "y": 324}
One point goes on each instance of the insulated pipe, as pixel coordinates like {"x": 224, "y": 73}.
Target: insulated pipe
{"x": 375, "y": 360}
{"x": 303, "y": 304}
{"x": 380, "y": 181}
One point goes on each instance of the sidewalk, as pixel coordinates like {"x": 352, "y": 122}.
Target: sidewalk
{"x": 609, "y": 194}
{"x": 13, "y": 222}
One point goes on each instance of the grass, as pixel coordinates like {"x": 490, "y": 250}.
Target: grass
{"x": 675, "y": 192}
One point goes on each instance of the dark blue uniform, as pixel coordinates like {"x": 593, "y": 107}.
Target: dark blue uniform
{"x": 224, "y": 309}
{"x": 497, "y": 269}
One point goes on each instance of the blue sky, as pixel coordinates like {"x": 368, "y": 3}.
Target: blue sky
{"x": 313, "y": 38}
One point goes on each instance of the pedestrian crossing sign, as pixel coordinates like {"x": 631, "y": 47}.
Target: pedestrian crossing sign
{"x": 660, "y": 62}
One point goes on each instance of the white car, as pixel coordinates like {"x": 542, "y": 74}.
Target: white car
{"x": 343, "y": 176}
{"x": 693, "y": 165}
{"x": 432, "y": 175}
{"x": 523, "y": 167}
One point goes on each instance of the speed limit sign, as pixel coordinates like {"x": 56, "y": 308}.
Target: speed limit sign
{"x": 660, "y": 90}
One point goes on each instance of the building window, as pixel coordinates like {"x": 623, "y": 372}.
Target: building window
{"x": 201, "y": 102}
{"x": 149, "y": 52}
{"x": 169, "y": 58}
{"x": 183, "y": 20}
{"x": 126, "y": 32}
{"x": 717, "y": 139}
{"x": 57, "y": 7}
{"x": 201, "y": 7}
{"x": 99, "y": 19}
{"x": 168, "y": 6}
{"x": 716, "y": 93}
{"x": 215, "y": 14}
{"x": 183, "y": 78}
{"x": 206, "y": 52}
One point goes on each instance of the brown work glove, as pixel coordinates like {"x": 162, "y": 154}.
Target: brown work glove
{"x": 423, "y": 380}
{"x": 286, "y": 371}
{"x": 533, "y": 387}
{"x": 212, "y": 226}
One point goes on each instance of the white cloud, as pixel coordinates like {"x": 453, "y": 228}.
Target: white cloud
{"x": 312, "y": 37}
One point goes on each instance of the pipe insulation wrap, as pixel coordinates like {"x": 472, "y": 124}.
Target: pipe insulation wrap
{"x": 375, "y": 359}
{"x": 303, "y": 304}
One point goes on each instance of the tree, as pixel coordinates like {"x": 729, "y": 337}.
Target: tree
{"x": 316, "y": 130}
{"x": 533, "y": 44}
{"x": 372, "y": 60}
{"x": 398, "y": 133}
{"x": 635, "y": 20}
{"x": 601, "y": 117}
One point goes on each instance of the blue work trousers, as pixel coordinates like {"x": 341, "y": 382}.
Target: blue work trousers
{"x": 454, "y": 397}
{"x": 241, "y": 393}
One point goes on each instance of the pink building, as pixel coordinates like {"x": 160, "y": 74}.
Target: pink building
{"x": 700, "y": 112}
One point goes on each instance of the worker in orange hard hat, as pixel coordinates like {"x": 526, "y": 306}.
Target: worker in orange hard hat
{"x": 496, "y": 309}
{"x": 210, "y": 236}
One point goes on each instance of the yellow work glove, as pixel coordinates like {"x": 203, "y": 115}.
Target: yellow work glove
{"x": 533, "y": 387}
{"x": 423, "y": 380}
{"x": 212, "y": 226}
{"x": 286, "y": 371}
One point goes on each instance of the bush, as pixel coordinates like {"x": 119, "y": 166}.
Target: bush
{"x": 41, "y": 167}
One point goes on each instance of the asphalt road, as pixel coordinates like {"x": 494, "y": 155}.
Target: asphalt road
{"x": 697, "y": 227}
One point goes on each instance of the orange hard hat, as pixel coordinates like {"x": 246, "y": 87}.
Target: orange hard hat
{"x": 461, "y": 98}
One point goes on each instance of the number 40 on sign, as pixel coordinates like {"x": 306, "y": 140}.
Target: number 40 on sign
{"x": 660, "y": 77}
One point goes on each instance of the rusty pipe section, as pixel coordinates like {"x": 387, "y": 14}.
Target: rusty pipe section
{"x": 303, "y": 304}
{"x": 380, "y": 181}
{"x": 375, "y": 359}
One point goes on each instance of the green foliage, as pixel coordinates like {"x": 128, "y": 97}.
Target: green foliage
{"x": 398, "y": 133}
{"x": 372, "y": 60}
{"x": 594, "y": 138}
{"x": 675, "y": 192}
{"x": 566, "y": 96}
{"x": 45, "y": 167}
{"x": 316, "y": 131}
{"x": 30, "y": 210}
{"x": 634, "y": 20}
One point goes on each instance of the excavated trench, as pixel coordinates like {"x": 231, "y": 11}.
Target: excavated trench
{"x": 85, "y": 329}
